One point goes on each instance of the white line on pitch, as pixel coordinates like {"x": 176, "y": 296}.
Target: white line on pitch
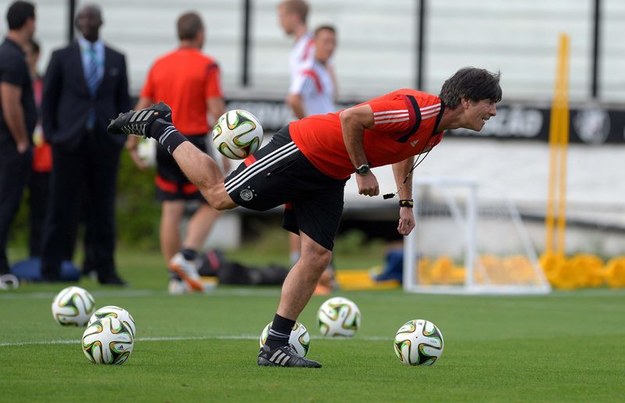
{"x": 180, "y": 338}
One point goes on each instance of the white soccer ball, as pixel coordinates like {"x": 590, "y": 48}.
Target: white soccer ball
{"x": 73, "y": 306}
{"x": 107, "y": 341}
{"x": 339, "y": 316}
{"x": 237, "y": 134}
{"x": 299, "y": 339}
{"x": 116, "y": 312}
{"x": 146, "y": 149}
{"x": 418, "y": 342}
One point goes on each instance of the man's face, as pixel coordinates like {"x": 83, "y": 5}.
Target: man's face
{"x": 325, "y": 43}
{"x": 89, "y": 22}
{"x": 30, "y": 27}
{"x": 287, "y": 20}
{"x": 477, "y": 113}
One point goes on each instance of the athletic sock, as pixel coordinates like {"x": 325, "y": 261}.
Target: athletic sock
{"x": 189, "y": 254}
{"x": 279, "y": 332}
{"x": 166, "y": 134}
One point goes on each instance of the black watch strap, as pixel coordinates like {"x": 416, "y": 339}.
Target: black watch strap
{"x": 363, "y": 169}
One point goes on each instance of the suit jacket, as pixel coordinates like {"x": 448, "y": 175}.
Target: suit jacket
{"x": 66, "y": 100}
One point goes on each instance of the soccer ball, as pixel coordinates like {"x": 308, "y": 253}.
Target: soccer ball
{"x": 73, "y": 306}
{"x": 339, "y": 316}
{"x": 299, "y": 339}
{"x": 107, "y": 341}
{"x": 418, "y": 342}
{"x": 116, "y": 312}
{"x": 237, "y": 134}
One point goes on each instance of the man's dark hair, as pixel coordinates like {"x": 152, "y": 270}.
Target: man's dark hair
{"x": 324, "y": 28}
{"x": 19, "y": 13}
{"x": 189, "y": 25}
{"x": 473, "y": 84}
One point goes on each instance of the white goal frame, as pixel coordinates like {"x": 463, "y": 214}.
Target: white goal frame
{"x": 468, "y": 216}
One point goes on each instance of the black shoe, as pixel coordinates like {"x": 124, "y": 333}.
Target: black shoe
{"x": 113, "y": 280}
{"x": 284, "y": 356}
{"x": 138, "y": 122}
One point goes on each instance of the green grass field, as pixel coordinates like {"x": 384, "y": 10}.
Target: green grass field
{"x": 561, "y": 347}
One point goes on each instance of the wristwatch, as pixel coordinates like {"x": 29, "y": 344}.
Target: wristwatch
{"x": 363, "y": 169}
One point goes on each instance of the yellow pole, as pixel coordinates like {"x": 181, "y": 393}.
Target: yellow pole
{"x": 558, "y": 147}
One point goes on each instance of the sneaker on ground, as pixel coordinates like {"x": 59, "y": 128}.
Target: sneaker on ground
{"x": 176, "y": 286}
{"x": 187, "y": 271}
{"x": 9, "y": 282}
{"x": 284, "y": 356}
{"x": 138, "y": 122}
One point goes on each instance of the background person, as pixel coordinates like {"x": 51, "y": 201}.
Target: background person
{"x": 18, "y": 116}
{"x": 84, "y": 85}
{"x": 308, "y": 162}
{"x": 189, "y": 81}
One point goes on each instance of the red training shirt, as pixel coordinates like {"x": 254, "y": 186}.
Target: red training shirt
{"x": 404, "y": 125}
{"x": 184, "y": 79}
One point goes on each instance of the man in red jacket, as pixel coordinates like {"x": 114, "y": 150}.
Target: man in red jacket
{"x": 308, "y": 162}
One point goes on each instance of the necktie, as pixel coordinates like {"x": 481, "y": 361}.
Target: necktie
{"x": 93, "y": 78}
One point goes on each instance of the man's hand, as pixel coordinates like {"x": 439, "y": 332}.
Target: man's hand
{"x": 368, "y": 184}
{"x": 23, "y": 146}
{"x": 406, "y": 221}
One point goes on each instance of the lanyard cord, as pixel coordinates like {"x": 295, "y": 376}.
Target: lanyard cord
{"x": 417, "y": 162}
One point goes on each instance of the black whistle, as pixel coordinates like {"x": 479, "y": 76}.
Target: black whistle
{"x": 388, "y": 196}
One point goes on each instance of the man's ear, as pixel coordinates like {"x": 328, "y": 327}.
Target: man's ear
{"x": 465, "y": 102}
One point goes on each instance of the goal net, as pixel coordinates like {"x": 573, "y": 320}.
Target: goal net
{"x": 469, "y": 238}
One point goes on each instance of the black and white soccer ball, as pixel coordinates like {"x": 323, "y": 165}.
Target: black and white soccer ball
{"x": 73, "y": 306}
{"x": 418, "y": 342}
{"x": 339, "y": 316}
{"x": 107, "y": 341}
{"x": 237, "y": 134}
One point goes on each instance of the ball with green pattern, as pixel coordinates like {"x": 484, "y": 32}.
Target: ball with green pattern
{"x": 107, "y": 341}
{"x": 237, "y": 134}
{"x": 418, "y": 342}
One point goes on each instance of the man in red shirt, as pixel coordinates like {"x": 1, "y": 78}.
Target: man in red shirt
{"x": 308, "y": 162}
{"x": 189, "y": 81}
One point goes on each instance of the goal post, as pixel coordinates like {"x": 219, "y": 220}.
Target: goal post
{"x": 469, "y": 238}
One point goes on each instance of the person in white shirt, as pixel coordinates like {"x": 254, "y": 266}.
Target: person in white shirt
{"x": 292, "y": 16}
{"x": 313, "y": 89}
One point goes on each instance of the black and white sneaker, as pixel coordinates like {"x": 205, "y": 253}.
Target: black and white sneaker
{"x": 138, "y": 122}
{"x": 284, "y": 356}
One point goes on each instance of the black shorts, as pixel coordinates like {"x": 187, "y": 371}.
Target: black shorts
{"x": 279, "y": 174}
{"x": 171, "y": 182}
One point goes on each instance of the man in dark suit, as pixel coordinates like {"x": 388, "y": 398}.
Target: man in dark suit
{"x": 85, "y": 85}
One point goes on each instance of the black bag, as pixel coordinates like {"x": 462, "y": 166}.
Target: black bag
{"x": 214, "y": 264}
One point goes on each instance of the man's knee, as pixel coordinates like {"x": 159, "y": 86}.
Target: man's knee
{"x": 218, "y": 198}
{"x": 316, "y": 255}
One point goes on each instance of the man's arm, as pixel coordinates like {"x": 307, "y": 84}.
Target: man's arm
{"x": 14, "y": 115}
{"x": 403, "y": 180}
{"x": 297, "y": 105}
{"x": 354, "y": 121}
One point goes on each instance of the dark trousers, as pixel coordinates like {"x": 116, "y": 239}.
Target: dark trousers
{"x": 87, "y": 173}
{"x": 38, "y": 188}
{"x": 14, "y": 171}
